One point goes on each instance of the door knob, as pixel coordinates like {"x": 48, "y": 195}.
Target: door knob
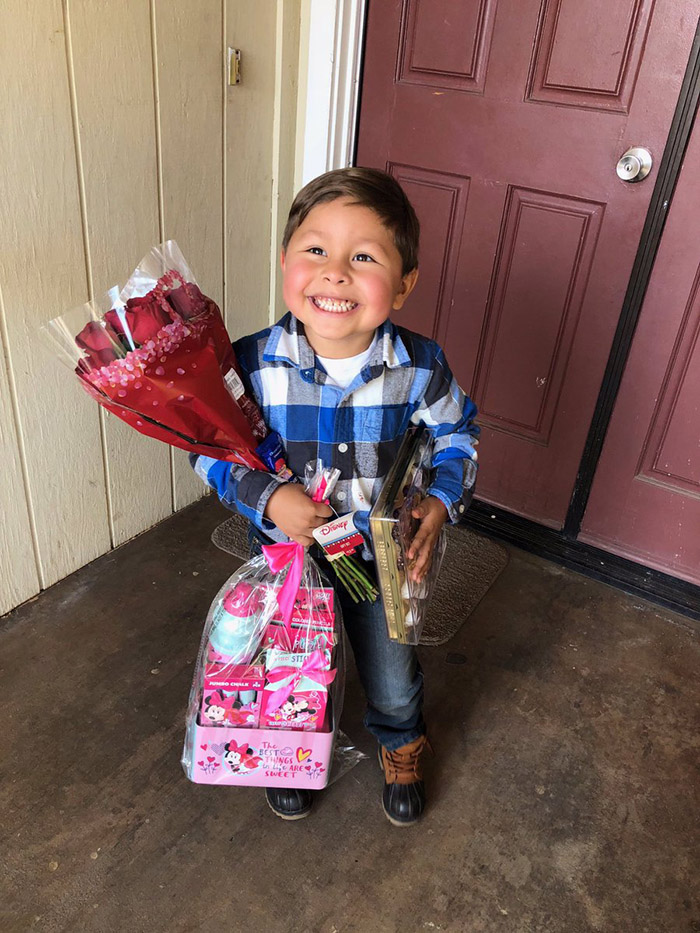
{"x": 634, "y": 165}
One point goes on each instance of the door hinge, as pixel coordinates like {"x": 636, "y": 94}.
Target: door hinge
{"x": 234, "y": 66}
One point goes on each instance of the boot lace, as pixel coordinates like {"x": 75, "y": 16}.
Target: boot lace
{"x": 403, "y": 766}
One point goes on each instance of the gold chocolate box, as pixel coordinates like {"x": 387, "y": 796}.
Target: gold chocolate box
{"x": 392, "y": 528}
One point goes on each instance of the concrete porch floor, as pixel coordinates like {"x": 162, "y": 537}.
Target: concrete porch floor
{"x": 563, "y": 795}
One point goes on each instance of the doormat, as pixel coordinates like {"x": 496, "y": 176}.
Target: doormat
{"x": 471, "y": 565}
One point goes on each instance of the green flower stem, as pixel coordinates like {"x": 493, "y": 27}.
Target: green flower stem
{"x": 360, "y": 575}
{"x": 354, "y": 579}
{"x": 347, "y": 581}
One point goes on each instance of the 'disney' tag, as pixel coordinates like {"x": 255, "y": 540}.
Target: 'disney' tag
{"x": 339, "y": 536}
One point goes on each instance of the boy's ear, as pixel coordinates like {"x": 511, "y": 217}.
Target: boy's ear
{"x": 282, "y": 259}
{"x": 407, "y": 284}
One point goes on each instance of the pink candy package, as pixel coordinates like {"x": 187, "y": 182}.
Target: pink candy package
{"x": 296, "y": 689}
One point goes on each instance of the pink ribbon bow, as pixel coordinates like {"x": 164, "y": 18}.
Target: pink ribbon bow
{"x": 277, "y": 557}
{"x": 313, "y": 668}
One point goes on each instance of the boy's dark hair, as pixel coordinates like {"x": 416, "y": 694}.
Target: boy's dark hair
{"x": 368, "y": 187}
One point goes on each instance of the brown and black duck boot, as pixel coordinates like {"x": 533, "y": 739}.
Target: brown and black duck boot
{"x": 404, "y": 792}
{"x": 289, "y": 803}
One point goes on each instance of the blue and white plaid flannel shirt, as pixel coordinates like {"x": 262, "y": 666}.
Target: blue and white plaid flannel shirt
{"x": 406, "y": 381}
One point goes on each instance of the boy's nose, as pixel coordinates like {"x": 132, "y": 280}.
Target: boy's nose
{"x": 336, "y": 273}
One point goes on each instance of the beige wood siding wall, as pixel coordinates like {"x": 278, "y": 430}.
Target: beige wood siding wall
{"x": 118, "y": 132}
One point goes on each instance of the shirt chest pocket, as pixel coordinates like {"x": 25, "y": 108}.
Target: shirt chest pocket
{"x": 370, "y": 424}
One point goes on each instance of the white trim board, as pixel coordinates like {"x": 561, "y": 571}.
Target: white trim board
{"x": 330, "y": 93}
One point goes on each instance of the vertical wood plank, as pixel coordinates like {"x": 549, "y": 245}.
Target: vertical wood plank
{"x": 42, "y": 271}
{"x": 189, "y": 42}
{"x": 250, "y": 27}
{"x": 19, "y": 576}
{"x": 116, "y": 114}
{"x": 284, "y": 141}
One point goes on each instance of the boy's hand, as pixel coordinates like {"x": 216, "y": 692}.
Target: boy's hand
{"x": 295, "y": 513}
{"x": 432, "y": 515}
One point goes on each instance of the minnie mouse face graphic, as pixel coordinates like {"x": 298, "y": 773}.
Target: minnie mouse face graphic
{"x": 233, "y": 758}
{"x": 212, "y": 711}
{"x": 218, "y": 708}
{"x": 240, "y": 758}
{"x": 294, "y": 708}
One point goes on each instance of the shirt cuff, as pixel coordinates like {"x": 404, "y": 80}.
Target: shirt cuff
{"x": 455, "y": 510}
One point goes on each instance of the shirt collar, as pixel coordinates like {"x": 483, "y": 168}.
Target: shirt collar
{"x": 287, "y": 343}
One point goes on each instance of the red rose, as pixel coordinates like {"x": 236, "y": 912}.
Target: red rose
{"x": 187, "y": 300}
{"x": 144, "y": 318}
{"x": 100, "y": 343}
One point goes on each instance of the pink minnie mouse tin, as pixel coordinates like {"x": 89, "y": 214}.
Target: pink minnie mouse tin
{"x": 257, "y": 757}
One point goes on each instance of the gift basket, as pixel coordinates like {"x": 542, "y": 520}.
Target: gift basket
{"x": 392, "y": 527}
{"x": 267, "y": 690}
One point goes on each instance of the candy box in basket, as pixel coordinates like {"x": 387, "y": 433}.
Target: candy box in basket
{"x": 296, "y": 689}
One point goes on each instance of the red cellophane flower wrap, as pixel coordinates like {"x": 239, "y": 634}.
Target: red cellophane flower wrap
{"x": 161, "y": 360}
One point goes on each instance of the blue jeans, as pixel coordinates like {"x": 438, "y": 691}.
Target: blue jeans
{"x": 389, "y": 672}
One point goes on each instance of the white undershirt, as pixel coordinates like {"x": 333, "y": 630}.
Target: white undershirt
{"x": 342, "y": 372}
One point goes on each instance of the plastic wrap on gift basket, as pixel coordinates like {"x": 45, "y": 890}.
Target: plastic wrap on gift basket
{"x": 268, "y": 686}
{"x": 393, "y": 527}
{"x": 345, "y": 757}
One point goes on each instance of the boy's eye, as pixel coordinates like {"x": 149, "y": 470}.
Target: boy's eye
{"x": 316, "y": 250}
{"x": 364, "y": 257}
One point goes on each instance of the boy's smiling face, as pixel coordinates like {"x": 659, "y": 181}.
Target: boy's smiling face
{"x": 342, "y": 277}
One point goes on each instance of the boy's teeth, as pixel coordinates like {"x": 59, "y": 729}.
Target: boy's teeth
{"x": 334, "y": 304}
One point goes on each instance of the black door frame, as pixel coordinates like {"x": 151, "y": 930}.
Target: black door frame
{"x": 562, "y": 546}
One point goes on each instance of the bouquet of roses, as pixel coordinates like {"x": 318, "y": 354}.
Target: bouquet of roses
{"x": 157, "y": 355}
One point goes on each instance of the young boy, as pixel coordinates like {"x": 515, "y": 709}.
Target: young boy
{"x": 340, "y": 383}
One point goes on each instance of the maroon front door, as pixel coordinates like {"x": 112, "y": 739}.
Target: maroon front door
{"x": 645, "y": 500}
{"x": 504, "y": 121}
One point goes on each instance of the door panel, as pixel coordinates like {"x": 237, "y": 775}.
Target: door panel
{"x": 446, "y": 47}
{"x": 588, "y": 54}
{"x": 516, "y": 112}
{"x": 645, "y": 500}
{"x": 543, "y": 262}
{"x": 441, "y": 199}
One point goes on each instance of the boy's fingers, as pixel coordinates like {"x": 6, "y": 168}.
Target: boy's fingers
{"x": 423, "y": 536}
{"x": 416, "y": 545}
{"x": 421, "y": 566}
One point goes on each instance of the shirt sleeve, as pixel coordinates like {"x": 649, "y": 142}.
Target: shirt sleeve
{"x": 238, "y": 487}
{"x": 449, "y": 415}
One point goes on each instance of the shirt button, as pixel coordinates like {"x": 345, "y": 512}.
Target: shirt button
{"x": 340, "y": 496}
{"x": 342, "y": 448}
{"x": 461, "y": 508}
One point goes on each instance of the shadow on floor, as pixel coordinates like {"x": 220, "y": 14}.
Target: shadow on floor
{"x": 563, "y": 795}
